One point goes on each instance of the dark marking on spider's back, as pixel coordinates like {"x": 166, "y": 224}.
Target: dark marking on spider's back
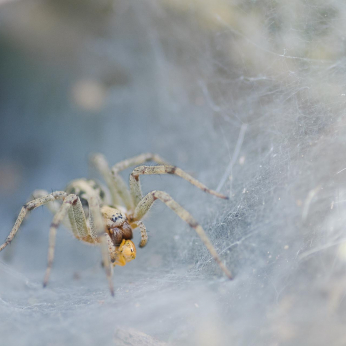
{"x": 80, "y": 188}
{"x": 102, "y": 194}
{"x": 71, "y": 190}
{"x": 84, "y": 202}
{"x": 97, "y": 186}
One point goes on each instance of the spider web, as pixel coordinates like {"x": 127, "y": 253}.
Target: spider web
{"x": 246, "y": 96}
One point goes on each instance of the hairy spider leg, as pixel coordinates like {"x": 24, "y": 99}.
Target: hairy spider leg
{"x": 143, "y": 230}
{"x": 57, "y": 219}
{"x": 143, "y": 204}
{"x": 132, "y": 199}
{"x": 94, "y": 235}
{"x": 116, "y": 184}
{"x": 28, "y": 207}
{"x": 137, "y": 207}
{"x": 97, "y": 231}
{"x": 147, "y": 201}
{"x": 100, "y": 163}
{"x": 138, "y": 160}
{"x": 78, "y": 225}
{"x": 114, "y": 181}
{"x": 76, "y": 221}
{"x": 135, "y": 186}
{"x": 53, "y": 206}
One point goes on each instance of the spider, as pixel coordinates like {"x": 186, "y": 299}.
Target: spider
{"x": 108, "y": 220}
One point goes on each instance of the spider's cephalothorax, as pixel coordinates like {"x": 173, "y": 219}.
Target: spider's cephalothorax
{"x": 108, "y": 218}
{"x": 120, "y": 233}
{"x": 117, "y": 224}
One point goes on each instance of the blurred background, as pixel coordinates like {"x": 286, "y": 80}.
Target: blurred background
{"x": 246, "y": 96}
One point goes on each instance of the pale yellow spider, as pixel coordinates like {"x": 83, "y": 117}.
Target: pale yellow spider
{"x": 95, "y": 220}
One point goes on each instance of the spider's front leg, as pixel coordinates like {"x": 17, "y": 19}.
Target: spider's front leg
{"x": 147, "y": 201}
{"x": 135, "y": 186}
{"x": 143, "y": 204}
{"x": 143, "y": 230}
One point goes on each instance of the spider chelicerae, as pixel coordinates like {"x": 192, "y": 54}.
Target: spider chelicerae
{"x": 94, "y": 219}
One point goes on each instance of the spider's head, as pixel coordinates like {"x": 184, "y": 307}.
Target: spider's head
{"x": 117, "y": 225}
{"x": 113, "y": 217}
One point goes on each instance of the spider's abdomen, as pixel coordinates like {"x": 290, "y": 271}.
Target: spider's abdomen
{"x": 84, "y": 188}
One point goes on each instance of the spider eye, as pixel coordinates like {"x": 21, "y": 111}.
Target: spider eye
{"x": 114, "y": 218}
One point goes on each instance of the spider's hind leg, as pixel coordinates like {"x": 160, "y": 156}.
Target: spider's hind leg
{"x": 93, "y": 234}
{"x": 97, "y": 231}
{"x": 68, "y": 202}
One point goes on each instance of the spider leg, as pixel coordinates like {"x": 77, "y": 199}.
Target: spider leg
{"x": 100, "y": 163}
{"x": 122, "y": 190}
{"x": 122, "y": 165}
{"x": 76, "y": 221}
{"x": 147, "y": 201}
{"x": 135, "y": 186}
{"x": 138, "y": 160}
{"x": 97, "y": 232}
{"x": 52, "y": 206}
{"x": 143, "y": 230}
{"x": 28, "y": 207}
{"x": 116, "y": 184}
{"x": 57, "y": 219}
{"x": 94, "y": 234}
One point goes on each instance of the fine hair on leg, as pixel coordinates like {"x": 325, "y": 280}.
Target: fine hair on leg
{"x": 57, "y": 219}
{"x": 100, "y": 163}
{"x": 147, "y": 201}
{"x": 97, "y": 231}
{"x": 35, "y": 203}
{"x": 135, "y": 186}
